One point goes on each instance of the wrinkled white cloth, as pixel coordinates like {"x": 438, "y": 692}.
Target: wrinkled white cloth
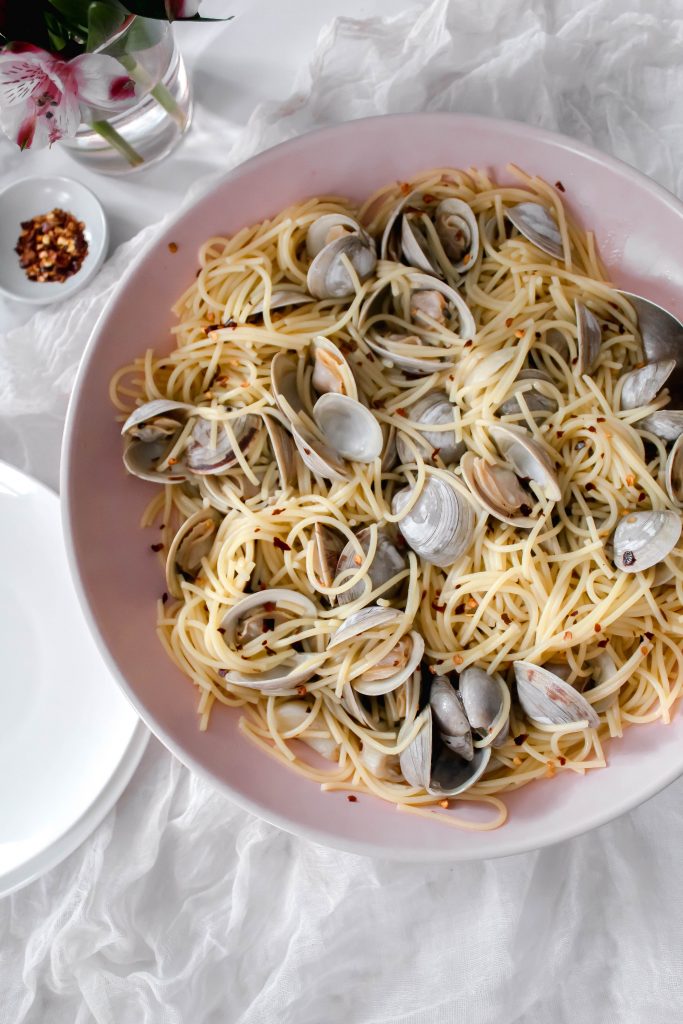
{"x": 183, "y": 909}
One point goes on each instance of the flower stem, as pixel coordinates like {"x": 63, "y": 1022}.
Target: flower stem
{"x": 158, "y": 91}
{"x": 117, "y": 142}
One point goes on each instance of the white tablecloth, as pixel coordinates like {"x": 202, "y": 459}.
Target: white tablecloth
{"x": 183, "y": 909}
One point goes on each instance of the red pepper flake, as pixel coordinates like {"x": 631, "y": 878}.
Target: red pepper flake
{"x": 567, "y": 635}
{"x": 562, "y": 760}
{"x": 560, "y": 433}
{"x": 439, "y": 607}
{"x": 592, "y": 430}
{"x": 221, "y": 630}
{"x": 650, "y": 636}
{"x": 468, "y": 344}
{"x": 267, "y": 649}
{"x": 559, "y": 186}
{"x": 402, "y": 412}
{"x": 601, "y": 419}
{"x": 307, "y": 450}
{"x": 269, "y": 606}
{"x": 506, "y": 618}
{"x": 424, "y": 594}
{"x": 172, "y": 247}
{"x": 590, "y": 487}
{"x": 642, "y": 496}
{"x": 281, "y": 544}
{"x": 164, "y": 597}
{"x": 156, "y": 547}
{"x": 509, "y": 321}
{"x": 525, "y": 510}
{"x": 457, "y": 659}
{"x": 429, "y": 198}
{"x": 435, "y": 454}
{"x": 522, "y": 738}
{"x": 51, "y": 246}
{"x": 301, "y": 690}
{"x": 460, "y": 609}
{"x": 277, "y": 512}
{"x": 519, "y": 334}
{"x": 369, "y": 356}
{"x": 597, "y": 627}
{"x": 466, "y": 258}
{"x": 405, "y": 187}
{"x": 603, "y": 643}
{"x": 172, "y": 462}
{"x": 352, "y": 799}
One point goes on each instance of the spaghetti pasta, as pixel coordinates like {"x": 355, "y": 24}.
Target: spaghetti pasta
{"x": 533, "y": 583}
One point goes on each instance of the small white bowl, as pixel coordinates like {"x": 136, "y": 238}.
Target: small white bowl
{"x": 29, "y": 197}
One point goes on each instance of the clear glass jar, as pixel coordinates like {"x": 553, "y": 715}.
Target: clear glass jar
{"x": 148, "y": 128}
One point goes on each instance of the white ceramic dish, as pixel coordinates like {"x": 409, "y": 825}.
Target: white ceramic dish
{"x": 119, "y": 578}
{"x": 69, "y": 740}
{"x": 28, "y": 197}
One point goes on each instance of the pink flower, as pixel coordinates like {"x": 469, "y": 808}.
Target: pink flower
{"x": 178, "y": 9}
{"x": 41, "y": 96}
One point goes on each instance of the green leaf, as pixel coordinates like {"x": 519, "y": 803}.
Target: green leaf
{"x": 105, "y": 18}
{"x": 74, "y": 13}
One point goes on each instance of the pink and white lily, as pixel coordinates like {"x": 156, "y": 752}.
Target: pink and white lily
{"x": 41, "y": 96}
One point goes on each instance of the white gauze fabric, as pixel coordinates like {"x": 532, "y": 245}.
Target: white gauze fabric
{"x": 183, "y": 909}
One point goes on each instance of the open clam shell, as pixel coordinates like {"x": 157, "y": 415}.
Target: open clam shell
{"x": 394, "y": 669}
{"x": 204, "y": 457}
{"x": 674, "y": 473}
{"x": 534, "y": 222}
{"x": 664, "y": 423}
{"x": 603, "y": 669}
{"x": 298, "y": 667}
{"x": 389, "y": 452}
{"x": 434, "y": 408}
{"x": 589, "y": 338}
{"x": 191, "y": 544}
{"x": 319, "y": 457}
{"x": 282, "y": 445}
{"x": 349, "y": 427}
{"x": 662, "y": 335}
{"x": 538, "y": 404}
{"x": 642, "y": 539}
{"x": 449, "y": 717}
{"x": 327, "y": 546}
{"x": 388, "y": 562}
{"x": 331, "y": 371}
{"x": 283, "y": 384}
{"x": 396, "y": 349}
{"x": 641, "y": 386}
{"x": 547, "y": 699}
{"x": 484, "y": 700}
{"x": 458, "y": 233}
{"x": 281, "y": 298}
{"x": 498, "y": 490}
{"x": 141, "y": 459}
{"x": 439, "y": 239}
{"x": 328, "y": 276}
{"x": 422, "y": 308}
{"x": 440, "y": 525}
{"x": 528, "y": 457}
{"x": 445, "y": 775}
{"x": 371, "y": 617}
{"x": 156, "y": 420}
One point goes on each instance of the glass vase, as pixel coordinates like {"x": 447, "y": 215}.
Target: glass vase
{"x": 147, "y": 128}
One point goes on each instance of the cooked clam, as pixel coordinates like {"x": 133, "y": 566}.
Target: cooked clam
{"x": 327, "y": 546}
{"x": 484, "y": 700}
{"x": 664, "y": 423}
{"x": 534, "y": 222}
{"x": 141, "y": 459}
{"x": 498, "y": 490}
{"x": 388, "y": 562}
{"x": 191, "y": 544}
{"x": 282, "y": 445}
{"x": 152, "y": 430}
{"x": 440, "y": 239}
{"x": 547, "y": 699}
{"x": 281, "y": 298}
{"x": 538, "y": 404}
{"x": 440, "y": 525}
{"x": 349, "y": 427}
{"x": 528, "y": 457}
{"x": 331, "y": 372}
{"x": 371, "y": 617}
{"x": 434, "y": 408}
{"x": 335, "y": 241}
{"x": 447, "y": 774}
{"x": 392, "y": 670}
{"x": 379, "y": 764}
{"x": 297, "y": 667}
{"x": 662, "y": 335}
{"x": 641, "y": 386}
{"x": 283, "y": 383}
{"x": 589, "y": 338}
{"x": 319, "y": 457}
{"x": 642, "y": 539}
{"x": 213, "y": 453}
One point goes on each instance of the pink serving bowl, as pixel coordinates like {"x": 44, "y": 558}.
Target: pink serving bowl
{"x": 639, "y": 227}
